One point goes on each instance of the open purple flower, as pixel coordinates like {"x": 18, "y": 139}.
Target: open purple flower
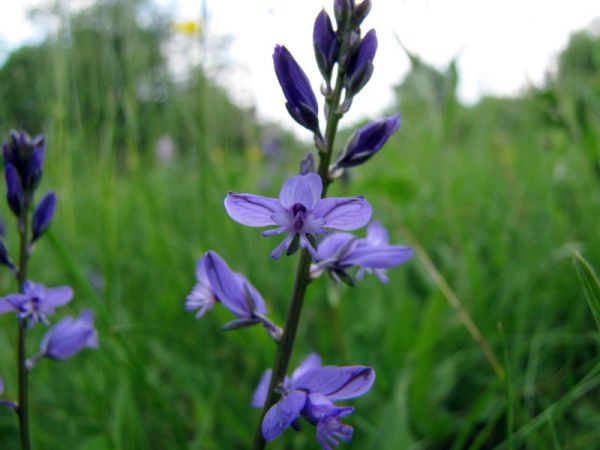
{"x": 301, "y": 102}
{"x": 373, "y": 254}
{"x": 299, "y": 211}
{"x": 218, "y": 283}
{"x": 36, "y": 302}
{"x": 367, "y": 141}
{"x": 69, "y": 336}
{"x": 310, "y": 393}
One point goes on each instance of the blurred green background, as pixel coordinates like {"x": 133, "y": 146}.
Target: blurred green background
{"x": 499, "y": 195}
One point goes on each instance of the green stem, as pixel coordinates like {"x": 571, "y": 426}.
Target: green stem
{"x": 23, "y": 409}
{"x": 286, "y": 344}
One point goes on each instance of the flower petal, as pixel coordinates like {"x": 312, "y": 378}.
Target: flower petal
{"x": 303, "y": 189}
{"x": 282, "y": 414}
{"x": 311, "y": 362}
{"x": 330, "y": 246}
{"x": 337, "y": 383}
{"x": 251, "y": 210}
{"x": 344, "y": 213}
{"x": 58, "y": 296}
{"x": 378, "y": 257}
{"x": 260, "y": 394}
{"x": 226, "y": 285}
{"x": 12, "y": 302}
{"x": 377, "y": 234}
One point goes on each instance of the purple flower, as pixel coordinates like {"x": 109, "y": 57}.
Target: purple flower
{"x": 360, "y": 65}
{"x": 367, "y": 141}
{"x": 70, "y": 336}
{"x": 299, "y": 211}
{"x": 341, "y": 251}
{"x": 218, "y": 283}
{"x": 310, "y": 393}
{"x": 42, "y": 216}
{"x": 36, "y": 302}
{"x": 325, "y": 44}
{"x": 301, "y": 102}
{"x": 26, "y": 156}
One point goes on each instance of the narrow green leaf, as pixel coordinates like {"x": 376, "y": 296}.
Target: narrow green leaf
{"x": 591, "y": 285}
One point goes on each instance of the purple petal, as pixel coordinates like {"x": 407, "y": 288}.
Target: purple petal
{"x": 330, "y": 246}
{"x": 251, "y": 210}
{"x": 378, "y": 257}
{"x": 55, "y": 297}
{"x": 226, "y": 285}
{"x": 311, "y": 362}
{"x": 259, "y": 305}
{"x": 342, "y": 213}
{"x": 12, "y": 302}
{"x": 260, "y": 394}
{"x": 69, "y": 336}
{"x": 303, "y": 189}
{"x": 282, "y": 414}
{"x": 377, "y": 234}
{"x": 337, "y": 383}
{"x": 331, "y": 430}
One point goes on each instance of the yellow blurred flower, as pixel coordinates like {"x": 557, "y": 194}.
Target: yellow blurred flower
{"x": 254, "y": 154}
{"x": 189, "y": 27}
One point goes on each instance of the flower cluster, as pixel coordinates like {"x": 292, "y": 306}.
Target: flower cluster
{"x": 305, "y": 215}
{"x": 35, "y": 303}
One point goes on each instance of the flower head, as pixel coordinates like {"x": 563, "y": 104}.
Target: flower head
{"x": 301, "y": 102}
{"x": 299, "y": 211}
{"x": 23, "y": 160}
{"x": 367, "y": 141}
{"x": 36, "y": 302}
{"x": 70, "y": 336}
{"x": 310, "y": 393}
{"x": 217, "y": 283}
{"x": 373, "y": 254}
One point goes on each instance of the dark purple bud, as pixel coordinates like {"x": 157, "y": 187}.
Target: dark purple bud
{"x": 4, "y": 258}
{"x": 14, "y": 189}
{"x": 342, "y": 10}
{"x": 2, "y": 228}
{"x": 359, "y": 13}
{"x": 301, "y": 101}
{"x": 42, "y": 217}
{"x": 307, "y": 164}
{"x": 325, "y": 44}
{"x": 367, "y": 141}
{"x": 26, "y": 155}
{"x": 360, "y": 65}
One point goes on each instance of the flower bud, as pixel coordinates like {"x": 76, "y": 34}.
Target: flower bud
{"x": 359, "y": 13}
{"x": 360, "y": 65}
{"x": 14, "y": 190}
{"x": 42, "y": 217}
{"x": 342, "y": 10}
{"x": 325, "y": 44}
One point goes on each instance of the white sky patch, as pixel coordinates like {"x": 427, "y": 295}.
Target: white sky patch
{"x": 501, "y": 46}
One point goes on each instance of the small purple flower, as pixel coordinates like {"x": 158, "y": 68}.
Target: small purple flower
{"x": 367, "y": 141}
{"x": 299, "y": 211}
{"x": 26, "y": 156}
{"x": 301, "y": 102}
{"x": 42, "y": 216}
{"x": 218, "y": 283}
{"x": 310, "y": 393}
{"x": 360, "y": 65}
{"x": 70, "y": 336}
{"x": 325, "y": 44}
{"x": 36, "y": 302}
{"x": 373, "y": 254}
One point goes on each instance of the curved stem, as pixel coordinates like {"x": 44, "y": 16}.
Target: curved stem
{"x": 286, "y": 344}
{"x": 23, "y": 409}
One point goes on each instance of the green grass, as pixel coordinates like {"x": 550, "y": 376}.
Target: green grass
{"x": 498, "y": 195}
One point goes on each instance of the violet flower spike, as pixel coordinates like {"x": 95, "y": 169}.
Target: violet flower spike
{"x": 310, "y": 393}
{"x": 217, "y": 283}
{"x": 26, "y": 155}
{"x": 69, "y": 336}
{"x": 360, "y": 65}
{"x": 299, "y": 211}
{"x": 42, "y": 216}
{"x": 373, "y": 254}
{"x": 301, "y": 102}
{"x": 325, "y": 44}
{"x": 36, "y": 302}
{"x": 367, "y": 141}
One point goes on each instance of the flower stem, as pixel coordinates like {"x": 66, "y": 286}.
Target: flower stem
{"x": 23, "y": 410}
{"x": 286, "y": 344}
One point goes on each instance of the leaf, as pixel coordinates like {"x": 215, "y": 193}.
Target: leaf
{"x": 591, "y": 285}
